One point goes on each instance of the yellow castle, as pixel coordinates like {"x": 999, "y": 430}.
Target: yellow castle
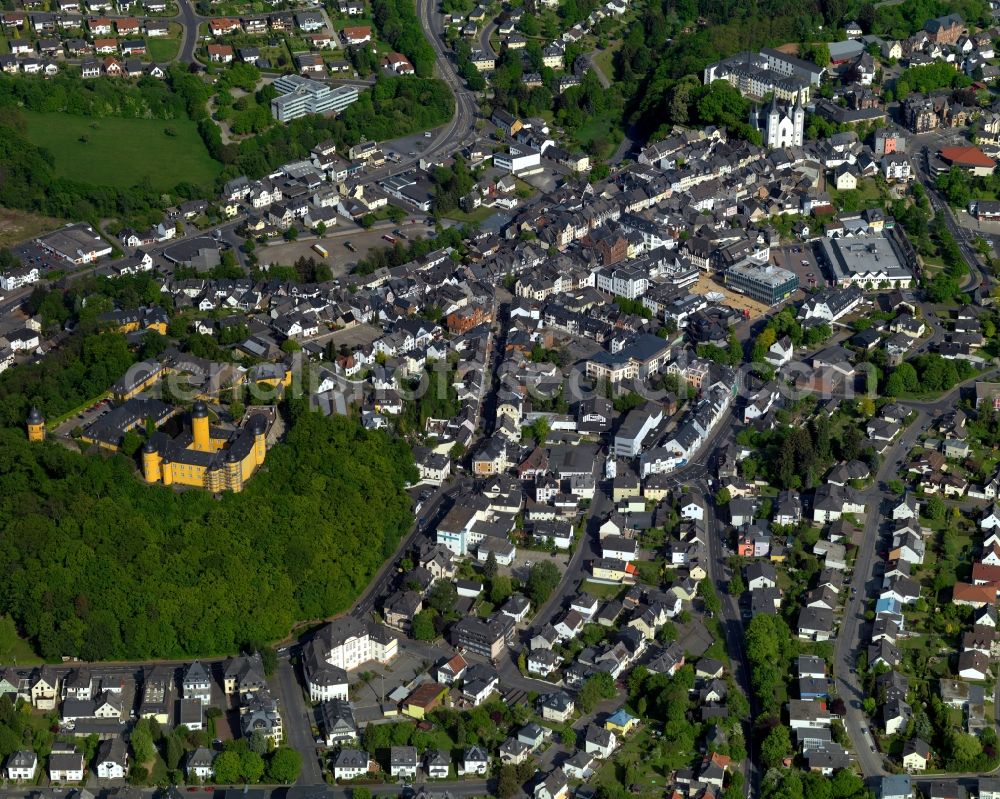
{"x": 212, "y": 458}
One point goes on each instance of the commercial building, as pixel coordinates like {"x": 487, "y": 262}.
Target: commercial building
{"x": 519, "y": 158}
{"x": 300, "y": 96}
{"x": 866, "y": 261}
{"x": 486, "y": 637}
{"x": 78, "y": 244}
{"x": 767, "y": 284}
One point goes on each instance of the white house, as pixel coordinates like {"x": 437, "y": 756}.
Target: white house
{"x": 22, "y": 765}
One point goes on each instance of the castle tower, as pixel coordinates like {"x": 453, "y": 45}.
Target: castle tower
{"x": 151, "y": 463}
{"x": 234, "y": 472}
{"x": 258, "y": 426}
{"x": 36, "y": 425}
{"x": 201, "y": 440}
{"x": 166, "y": 472}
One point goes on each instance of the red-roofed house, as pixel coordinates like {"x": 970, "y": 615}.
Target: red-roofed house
{"x": 101, "y": 26}
{"x": 223, "y": 26}
{"x": 975, "y": 595}
{"x": 359, "y": 35}
{"x": 127, "y": 26}
{"x": 112, "y": 67}
{"x": 399, "y": 64}
{"x": 971, "y": 158}
{"x": 983, "y": 574}
{"x": 221, "y": 53}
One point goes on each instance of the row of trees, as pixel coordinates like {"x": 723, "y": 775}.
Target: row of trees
{"x": 929, "y": 372}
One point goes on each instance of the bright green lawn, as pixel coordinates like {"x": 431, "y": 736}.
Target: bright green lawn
{"x": 162, "y": 50}
{"x": 123, "y": 152}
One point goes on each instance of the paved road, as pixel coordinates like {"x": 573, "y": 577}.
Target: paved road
{"x": 732, "y": 628}
{"x": 849, "y": 640}
{"x": 435, "y": 507}
{"x": 297, "y": 721}
{"x": 484, "y": 37}
{"x": 189, "y": 22}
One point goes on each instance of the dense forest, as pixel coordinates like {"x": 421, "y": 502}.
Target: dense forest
{"x": 101, "y": 566}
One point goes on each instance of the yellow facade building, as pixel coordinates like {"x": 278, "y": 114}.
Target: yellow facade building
{"x": 36, "y": 425}
{"x": 212, "y": 458}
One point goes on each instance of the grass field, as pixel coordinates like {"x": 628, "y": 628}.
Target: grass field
{"x": 13, "y": 648}
{"x": 162, "y": 50}
{"x": 123, "y": 152}
{"x": 16, "y": 226}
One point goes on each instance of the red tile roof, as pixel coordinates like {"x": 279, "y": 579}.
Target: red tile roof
{"x": 967, "y": 156}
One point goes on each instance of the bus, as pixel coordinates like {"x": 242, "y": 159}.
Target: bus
{"x": 388, "y": 238}
{"x": 321, "y": 250}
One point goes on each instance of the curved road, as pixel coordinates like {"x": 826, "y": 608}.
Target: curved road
{"x": 462, "y": 124}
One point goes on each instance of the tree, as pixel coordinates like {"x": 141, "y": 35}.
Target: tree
{"x": 367, "y": 221}
{"x": 423, "y": 625}
{"x": 508, "y": 785}
{"x": 227, "y": 768}
{"x": 443, "y": 597}
{"x": 284, "y": 765}
{"x": 542, "y": 581}
{"x": 501, "y": 588}
{"x": 965, "y": 748}
{"x": 258, "y": 743}
{"x": 736, "y": 585}
{"x": 775, "y": 746}
{"x": 142, "y": 742}
{"x": 251, "y": 766}
{"x": 594, "y": 689}
{"x": 292, "y": 233}
{"x": 396, "y": 214}
{"x": 936, "y": 508}
{"x": 173, "y": 751}
{"x": 490, "y": 567}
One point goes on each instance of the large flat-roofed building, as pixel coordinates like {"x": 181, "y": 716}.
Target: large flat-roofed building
{"x": 768, "y": 72}
{"x": 78, "y": 244}
{"x": 646, "y": 355}
{"x": 485, "y": 637}
{"x": 865, "y": 261}
{"x": 300, "y": 96}
{"x": 767, "y": 284}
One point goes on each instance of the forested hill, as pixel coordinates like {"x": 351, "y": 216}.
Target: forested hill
{"x": 99, "y": 565}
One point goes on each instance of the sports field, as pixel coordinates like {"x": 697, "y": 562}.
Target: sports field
{"x": 123, "y": 152}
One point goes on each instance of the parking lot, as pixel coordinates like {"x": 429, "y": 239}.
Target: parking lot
{"x": 801, "y": 260}
{"x": 342, "y": 258}
{"x": 367, "y": 696}
{"x": 32, "y": 254}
